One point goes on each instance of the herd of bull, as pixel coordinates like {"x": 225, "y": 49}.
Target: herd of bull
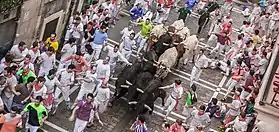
{"x": 143, "y": 79}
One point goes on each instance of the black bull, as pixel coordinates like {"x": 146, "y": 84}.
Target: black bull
{"x": 147, "y": 98}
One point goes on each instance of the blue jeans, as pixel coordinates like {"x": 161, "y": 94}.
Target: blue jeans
{"x": 19, "y": 106}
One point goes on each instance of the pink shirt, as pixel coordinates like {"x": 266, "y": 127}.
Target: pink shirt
{"x": 176, "y": 128}
{"x": 79, "y": 63}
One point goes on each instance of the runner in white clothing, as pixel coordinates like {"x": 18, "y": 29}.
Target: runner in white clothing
{"x": 126, "y": 32}
{"x": 174, "y": 97}
{"x": 102, "y": 97}
{"x": 114, "y": 55}
{"x": 68, "y": 49}
{"x": 66, "y": 78}
{"x": 47, "y": 61}
{"x": 129, "y": 43}
{"x": 88, "y": 84}
{"x": 50, "y": 83}
{"x": 201, "y": 62}
{"x": 102, "y": 70}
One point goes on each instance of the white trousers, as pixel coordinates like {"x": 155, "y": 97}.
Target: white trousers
{"x": 170, "y": 103}
{"x": 43, "y": 72}
{"x": 211, "y": 40}
{"x": 65, "y": 92}
{"x": 142, "y": 43}
{"x": 218, "y": 48}
{"x": 80, "y": 125}
{"x": 32, "y": 128}
{"x": 167, "y": 13}
{"x": 176, "y": 2}
{"x": 126, "y": 53}
{"x": 195, "y": 75}
{"x": 101, "y": 107}
{"x": 97, "y": 50}
{"x": 159, "y": 19}
{"x": 230, "y": 84}
{"x": 84, "y": 91}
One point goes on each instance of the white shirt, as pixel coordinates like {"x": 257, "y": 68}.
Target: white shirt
{"x": 102, "y": 70}
{"x": 88, "y": 57}
{"x": 202, "y": 61}
{"x": 50, "y": 84}
{"x": 103, "y": 95}
{"x": 240, "y": 126}
{"x": 68, "y": 51}
{"x": 76, "y": 30}
{"x": 198, "y": 120}
{"x": 105, "y": 5}
{"x": 11, "y": 83}
{"x": 129, "y": 44}
{"x": 176, "y": 91}
{"x": 42, "y": 92}
{"x": 96, "y": 17}
{"x": 84, "y": 20}
{"x": 235, "y": 108}
{"x": 126, "y": 33}
{"x": 48, "y": 62}
{"x": 34, "y": 55}
{"x": 65, "y": 77}
{"x": 18, "y": 54}
{"x": 91, "y": 77}
{"x": 30, "y": 65}
{"x": 256, "y": 11}
{"x": 263, "y": 65}
{"x": 114, "y": 56}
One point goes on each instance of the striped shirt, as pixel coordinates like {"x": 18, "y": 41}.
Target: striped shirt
{"x": 139, "y": 127}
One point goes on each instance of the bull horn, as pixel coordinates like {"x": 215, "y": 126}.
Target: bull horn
{"x": 144, "y": 59}
{"x": 139, "y": 90}
{"x": 128, "y": 82}
{"x": 124, "y": 86}
{"x": 165, "y": 44}
{"x": 132, "y": 102}
{"x": 168, "y": 69}
{"x": 176, "y": 43}
{"x": 155, "y": 64}
{"x": 146, "y": 106}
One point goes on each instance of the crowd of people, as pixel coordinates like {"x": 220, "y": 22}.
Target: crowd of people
{"x": 32, "y": 80}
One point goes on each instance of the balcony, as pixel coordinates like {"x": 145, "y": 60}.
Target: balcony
{"x": 267, "y": 111}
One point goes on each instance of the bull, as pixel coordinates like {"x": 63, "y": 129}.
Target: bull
{"x": 191, "y": 45}
{"x": 140, "y": 84}
{"x": 149, "y": 59}
{"x": 151, "y": 93}
{"x": 127, "y": 76}
{"x": 169, "y": 59}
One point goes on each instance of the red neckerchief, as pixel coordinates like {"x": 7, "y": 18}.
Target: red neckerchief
{"x": 19, "y": 50}
{"x": 10, "y": 75}
{"x": 37, "y": 87}
{"x": 242, "y": 119}
{"x": 139, "y": 123}
{"x": 34, "y": 50}
{"x": 7, "y": 64}
{"x": 25, "y": 73}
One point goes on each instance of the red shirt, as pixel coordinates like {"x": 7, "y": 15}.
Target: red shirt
{"x": 168, "y": 4}
{"x": 176, "y": 128}
{"x": 162, "y": 2}
{"x": 79, "y": 63}
{"x": 249, "y": 82}
{"x": 227, "y": 28}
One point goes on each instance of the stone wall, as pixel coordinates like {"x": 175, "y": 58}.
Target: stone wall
{"x": 33, "y": 15}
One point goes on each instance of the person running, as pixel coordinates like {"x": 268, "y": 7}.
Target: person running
{"x": 183, "y": 13}
{"x": 47, "y": 61}
{"x": 103, "y": 70}
{"x": 88, "y": 84}
{"x": 37, "y": 114}
{"x": 114, "y": 55}
{"x": 136, "y": 12}
{"x": 129, "y": 44}
{"x": 177, "y": 126}
{"x": 68, "y": 49}
{"x": 78, "y": 61}
{"x": 10, "y": 121}
{"x": 66, "y": 78}
{"x": 200, "y": 63}
{"x": 139, "y": 125}
{"x": 174, "y": 97}
{"x": 103, "y": 96}
{"x": 84, "y": 112}
{"x": 200, "y": 118}
{"x": 25, "y": 91}
{"x": 146, "y": 27}
{"x": 100, "y": 37}
{"x": 51, "y": 83}
{"x": 52, "y": 42}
